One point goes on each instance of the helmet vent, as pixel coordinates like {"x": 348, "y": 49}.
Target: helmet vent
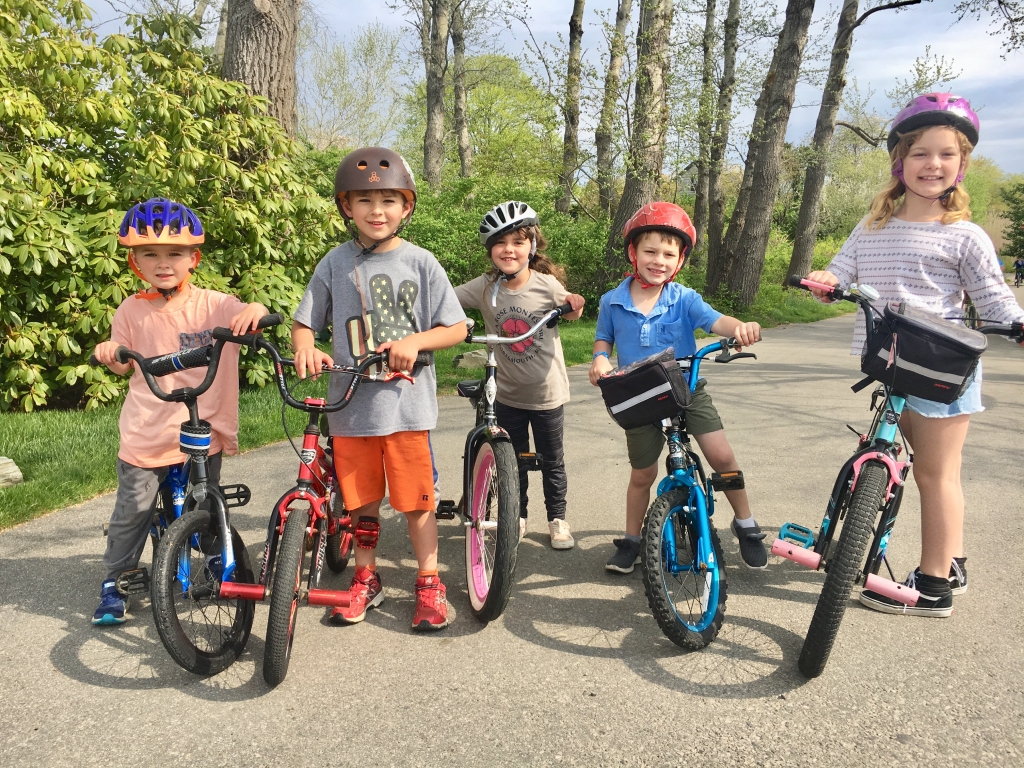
{"x": 361, "y": 165}
{"x": 385, "y": 164}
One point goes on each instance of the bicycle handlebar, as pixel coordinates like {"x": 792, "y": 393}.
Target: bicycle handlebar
{"x": 549, "y": 319}
{"x": 152, "y": 368}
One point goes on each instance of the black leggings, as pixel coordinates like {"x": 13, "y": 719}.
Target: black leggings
{"x": 547, "y": 438}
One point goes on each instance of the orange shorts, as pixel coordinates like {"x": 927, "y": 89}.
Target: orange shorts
{"x": 362, "y": 463}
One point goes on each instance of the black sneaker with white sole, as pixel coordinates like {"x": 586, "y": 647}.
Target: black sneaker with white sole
{"x": 927, "y": 605}
{"x": 752, "y": 549}
{"x": 627, "y": 555}
{"x": 958, "y": 576}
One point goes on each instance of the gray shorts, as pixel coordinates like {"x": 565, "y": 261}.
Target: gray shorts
{"x": 644, "y": 444}
{"x": 132, "y": 517}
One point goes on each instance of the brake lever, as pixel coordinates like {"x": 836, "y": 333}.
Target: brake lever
{"x": 726, "y": 355}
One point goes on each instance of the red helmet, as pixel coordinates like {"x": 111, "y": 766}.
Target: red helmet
{"x": 664, "y": 217}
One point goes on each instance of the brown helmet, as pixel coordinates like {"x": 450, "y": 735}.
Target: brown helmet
{"x": 374, "y": 168}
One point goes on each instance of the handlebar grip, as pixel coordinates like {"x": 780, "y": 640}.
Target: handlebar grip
{"x": 565, "y": 309}
{"x": 94, "y": 361}
{"x": 122, "y": 356}
{"x": 177, "y": 361}
{"x": 269, "y": 321}
{"x": 424, "y": 358}
{"x": 795, "y": 281}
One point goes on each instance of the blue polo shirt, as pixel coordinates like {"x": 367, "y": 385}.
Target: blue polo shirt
{"x": 671, "y": 323}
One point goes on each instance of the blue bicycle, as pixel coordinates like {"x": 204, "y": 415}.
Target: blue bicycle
{"x": 681, "y": 555}
{"x": 196, "y": 548}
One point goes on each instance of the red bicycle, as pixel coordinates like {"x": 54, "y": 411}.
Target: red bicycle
{"x": 309, "y": 518}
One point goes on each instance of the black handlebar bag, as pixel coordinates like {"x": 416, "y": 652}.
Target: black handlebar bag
{"x": 917, "y": 353}
{"x": 646, "y": 391}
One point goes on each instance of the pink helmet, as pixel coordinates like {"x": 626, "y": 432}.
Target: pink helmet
{"x": 930, "y": 109}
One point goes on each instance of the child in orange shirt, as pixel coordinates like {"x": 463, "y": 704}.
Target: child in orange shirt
{"x": 173, "y": 315}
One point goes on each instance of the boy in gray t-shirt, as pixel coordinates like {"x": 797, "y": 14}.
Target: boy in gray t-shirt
{"x": 379, "y": 293}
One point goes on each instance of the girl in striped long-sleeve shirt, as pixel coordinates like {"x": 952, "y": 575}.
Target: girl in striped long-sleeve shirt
{"x": 917, "y": 245}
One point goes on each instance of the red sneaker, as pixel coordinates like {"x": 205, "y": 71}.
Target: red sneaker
{"x": 431, "y": 604}
{"x": 366, "y": 591}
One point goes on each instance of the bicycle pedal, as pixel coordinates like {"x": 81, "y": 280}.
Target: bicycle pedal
{"x": 532, "y": 462}
{"x": 798, "y": 534}
{"x": 135, "y": 582}
{"x": 236, "y": 495}
{"x": 446, "y": 510}
{"x": 727, "y": 481}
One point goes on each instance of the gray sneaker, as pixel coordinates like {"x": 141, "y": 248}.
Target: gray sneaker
{"x": 627, "y": 554}
{"x": 752, "y": 549}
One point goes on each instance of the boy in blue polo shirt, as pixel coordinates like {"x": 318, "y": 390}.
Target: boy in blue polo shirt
{"x": 646, "y": 314}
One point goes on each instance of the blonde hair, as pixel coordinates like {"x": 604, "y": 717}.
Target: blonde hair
{"x": 886, "y": 202}
{"x": 540, "y": 261}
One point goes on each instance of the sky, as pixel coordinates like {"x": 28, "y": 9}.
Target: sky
{"x": 884, "y": 50}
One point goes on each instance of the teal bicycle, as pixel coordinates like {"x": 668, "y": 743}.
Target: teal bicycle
{"x": 681, "y": 554}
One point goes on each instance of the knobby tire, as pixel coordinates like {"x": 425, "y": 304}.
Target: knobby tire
{"x": 658, "y": 581}
{"x": 846, "y": 562}
{"x": 211, "y": 631}
{"x": 284, "y": 597}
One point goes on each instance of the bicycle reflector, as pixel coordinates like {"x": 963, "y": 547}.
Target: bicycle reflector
{"x": 727, "y": 481}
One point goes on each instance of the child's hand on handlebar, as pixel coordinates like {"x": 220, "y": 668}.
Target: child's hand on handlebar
{"x": 311, "y": 360}
{"x": 246, "y": 320}
{"x": 825, "y": 277}
{"x": 575, "y": 301}
{"x": 402, "y": 353}
{"x": 104, "y": 352}
{"x": 747, "y": 334}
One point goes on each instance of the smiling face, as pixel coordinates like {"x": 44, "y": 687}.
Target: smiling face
{"x": 165, "y": 266}
{"x": 511, "y": 252}
{"x": 377, "y": 213}
{"x": 933, "y": 162}
{"x": 658, "y": 257}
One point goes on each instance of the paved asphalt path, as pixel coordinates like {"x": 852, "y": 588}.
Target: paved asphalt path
{"x": 576, "y": 672}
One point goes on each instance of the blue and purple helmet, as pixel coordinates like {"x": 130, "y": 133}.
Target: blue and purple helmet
{"x": 930, "y": 109}
{"x": 160, "y": 221}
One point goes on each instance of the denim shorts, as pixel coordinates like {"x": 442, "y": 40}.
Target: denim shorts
{"x": 969, "y": 402}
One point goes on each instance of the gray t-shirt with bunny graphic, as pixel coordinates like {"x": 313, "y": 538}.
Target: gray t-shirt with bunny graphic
{"x": 369, "y": 300}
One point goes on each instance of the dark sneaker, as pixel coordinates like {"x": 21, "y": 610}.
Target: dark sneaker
{"x": 113, "y": 606}
{"x": 940, "y": 607}
{"x": 751, "y": 545}
{"x": 958, "y": 576}
{"x": 627, "y": 554}
{"x": 366, "y": 591}
{"x": 431, "y": 604}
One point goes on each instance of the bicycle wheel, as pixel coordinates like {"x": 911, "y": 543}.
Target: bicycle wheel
{"x": 284, "y": 597}
{"x": 686, "y": 592}
{"x": 339, "y": 545}
{"x": 847, "y": 561}
{"x": 202, "y": 631}
{"x": 492, "y": 534}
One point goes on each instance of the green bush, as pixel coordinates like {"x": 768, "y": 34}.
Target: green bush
{"x": 88, "y": 127}
{"x": 1013, "y": 247}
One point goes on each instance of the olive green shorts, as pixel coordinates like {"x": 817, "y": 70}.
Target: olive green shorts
{"x": 644, "y": 444}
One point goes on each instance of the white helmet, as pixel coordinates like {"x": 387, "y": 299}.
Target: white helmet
{"x": 504, "y": 218}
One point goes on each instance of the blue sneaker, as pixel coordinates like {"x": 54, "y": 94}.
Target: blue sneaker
{"x": 113, "y": 606}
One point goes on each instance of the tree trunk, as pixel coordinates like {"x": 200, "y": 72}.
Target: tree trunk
{"x": 720, "y": 260}
{"x": 200, "y": 11}
{"x": 222, "y": 33}
{"x": 259, "y": 51}
{"x": 705, "y": 122}
{"x": 571, "y": 110}
{"x": 720, "y": 138}
{"x": 461, "y": 121}
{"x": 650, "y": 125}
{"x": 814, "y": 179}
{"x": 603, "y": 134}
{"x": 766, "y": 166}
{"x": 437, "y": 63}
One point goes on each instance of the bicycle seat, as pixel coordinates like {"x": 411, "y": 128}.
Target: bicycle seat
{"x": 471, "y": 389}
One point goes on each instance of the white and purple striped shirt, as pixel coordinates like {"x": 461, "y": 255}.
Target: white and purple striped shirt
{"x": 928, "y": 265}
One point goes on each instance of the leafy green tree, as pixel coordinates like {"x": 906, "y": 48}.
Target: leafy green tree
{"x": 1013, "y": 243}
{"x": 87, "y": 128}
